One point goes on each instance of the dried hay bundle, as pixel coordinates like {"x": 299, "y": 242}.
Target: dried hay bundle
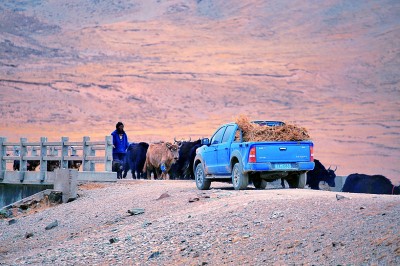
{"x": 255, "y": 132}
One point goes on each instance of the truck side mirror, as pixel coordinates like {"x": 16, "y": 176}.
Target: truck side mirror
{"x": 205, "y": 141}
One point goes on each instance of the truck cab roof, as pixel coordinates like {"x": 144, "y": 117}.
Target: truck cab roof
{"x": 268, "y": 123}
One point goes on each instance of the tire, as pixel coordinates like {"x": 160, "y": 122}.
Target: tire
{"x": 297, "y": 180}
{"x": 202, "y": 182}
{"x": 259, "y": 183}
{"x": 302, "y": 180}
{"x": 240, "y": 180}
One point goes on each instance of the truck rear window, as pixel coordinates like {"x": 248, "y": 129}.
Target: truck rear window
{"x": 269, "y": 123}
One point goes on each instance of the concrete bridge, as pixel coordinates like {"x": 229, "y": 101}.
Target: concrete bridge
{"x": 96, "y": 158}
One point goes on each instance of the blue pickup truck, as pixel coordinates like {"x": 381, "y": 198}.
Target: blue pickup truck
{"x": 227, "y": 158}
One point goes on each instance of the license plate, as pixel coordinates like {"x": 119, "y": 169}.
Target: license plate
{"x": 283, "y": 166}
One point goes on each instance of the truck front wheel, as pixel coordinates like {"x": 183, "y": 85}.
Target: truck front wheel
{"x": 202, "y": 182}
{"x": 240, "y": 180}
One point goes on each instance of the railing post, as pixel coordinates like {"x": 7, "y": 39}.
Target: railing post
{"x": 22, "y": 162}
{"x": 92, "y": 152}
{"x": 64, "y": 153}
{"x": 86, "y": 153}
{"x": 2, "y": 162}
{"x": 108, "y": 154}
{"x": 43, "y": 163}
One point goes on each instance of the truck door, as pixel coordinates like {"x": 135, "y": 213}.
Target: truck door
{"x": 223, "y": 151}
{"x": 210, "y": 155}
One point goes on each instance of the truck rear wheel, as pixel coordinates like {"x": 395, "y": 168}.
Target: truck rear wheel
{"x": 240, "y": 180}
{"x": 297, "y": 180}
{"x": 302, "y": 180}
{"x": 202, "y": 182}
{"x": 259, "y": 183}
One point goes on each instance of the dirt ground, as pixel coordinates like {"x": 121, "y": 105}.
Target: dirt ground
{"x": 147, "y": 222}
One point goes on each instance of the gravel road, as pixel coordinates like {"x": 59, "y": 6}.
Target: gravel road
{"x": 147, "y": 222}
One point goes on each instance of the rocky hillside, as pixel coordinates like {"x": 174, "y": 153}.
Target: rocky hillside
{"x": 180, "y": 68}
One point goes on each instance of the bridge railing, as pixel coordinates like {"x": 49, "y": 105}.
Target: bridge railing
{"x": 88, "y": 152}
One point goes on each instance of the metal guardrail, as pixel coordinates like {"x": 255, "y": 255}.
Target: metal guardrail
{"x": 62, "y": 151}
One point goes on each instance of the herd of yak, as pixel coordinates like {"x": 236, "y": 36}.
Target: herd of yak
{"x": 138, "y": 157}
{"x": 143, "y": 159}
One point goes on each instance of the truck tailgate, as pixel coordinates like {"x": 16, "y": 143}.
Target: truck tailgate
{"x": 283, "y": 152}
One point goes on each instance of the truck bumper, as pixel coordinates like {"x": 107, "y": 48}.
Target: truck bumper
{"x": 297, "y": 166}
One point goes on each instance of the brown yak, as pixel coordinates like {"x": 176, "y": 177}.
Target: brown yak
{"x": 159, "y": 157}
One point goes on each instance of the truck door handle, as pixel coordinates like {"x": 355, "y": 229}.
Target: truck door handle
{"x": 282, "y": 149}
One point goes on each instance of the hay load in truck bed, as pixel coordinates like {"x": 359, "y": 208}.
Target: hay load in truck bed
{"x": 256, "y": 132}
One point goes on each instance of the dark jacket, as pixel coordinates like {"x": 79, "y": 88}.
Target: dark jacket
{"x": 120, "y": 144}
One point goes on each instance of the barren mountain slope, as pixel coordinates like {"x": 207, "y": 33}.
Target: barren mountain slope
{"x": 180, "y": 68}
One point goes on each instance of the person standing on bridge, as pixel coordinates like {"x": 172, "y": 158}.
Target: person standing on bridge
{"x": 120, "y": 142}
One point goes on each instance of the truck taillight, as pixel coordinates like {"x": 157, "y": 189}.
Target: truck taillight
{"x": 252, "y": 155}
{"x": 311, "y": 153}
